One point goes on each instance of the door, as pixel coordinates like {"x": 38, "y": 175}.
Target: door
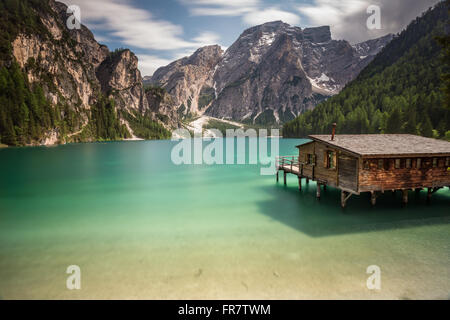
{"x": 348, "y": 172}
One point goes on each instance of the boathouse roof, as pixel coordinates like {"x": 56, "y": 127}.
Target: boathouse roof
{"x": 378, "y": 145}
{"x": 304, "y": 143}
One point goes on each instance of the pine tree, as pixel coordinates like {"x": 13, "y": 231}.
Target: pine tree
{"x": 394, "y": 121}
{"x": 426, "y": 127}
{"x": 444, "y": 41}
{"x": 411, "y": 124}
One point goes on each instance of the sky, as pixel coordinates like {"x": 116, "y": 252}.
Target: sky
{"x": 161, "y": 31}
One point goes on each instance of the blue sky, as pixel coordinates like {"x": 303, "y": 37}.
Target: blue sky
{"x": 160, "y": 31}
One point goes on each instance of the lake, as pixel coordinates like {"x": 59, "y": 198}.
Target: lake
{"x": 140, "y": 227}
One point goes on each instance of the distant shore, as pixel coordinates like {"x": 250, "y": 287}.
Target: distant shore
{"x": 123, "y": 140}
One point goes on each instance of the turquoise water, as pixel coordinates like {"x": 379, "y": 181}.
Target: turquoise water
{"x": 140, "y": 227}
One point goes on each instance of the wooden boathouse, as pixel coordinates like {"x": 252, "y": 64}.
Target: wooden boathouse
{"x": 372, "y": 164}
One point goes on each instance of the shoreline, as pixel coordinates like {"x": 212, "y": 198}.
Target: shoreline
{"x": 123, "y": 140}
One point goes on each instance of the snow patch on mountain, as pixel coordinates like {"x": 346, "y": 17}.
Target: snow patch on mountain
{"x": 324, "y": 83}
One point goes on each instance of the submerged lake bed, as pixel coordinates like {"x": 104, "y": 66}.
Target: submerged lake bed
{"x": 141, "y": 227}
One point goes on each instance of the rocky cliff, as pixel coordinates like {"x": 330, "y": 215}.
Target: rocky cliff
{"x": 121, "y": 79}
{"x": 92, "y": 93}
{"x": 161, "y": 103}
{"x": 190, "y": 80}
{"x": 271, "y": 74}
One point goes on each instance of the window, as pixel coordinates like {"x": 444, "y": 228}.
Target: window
{"x": 366, "y": 165}
{"x": 435, "y": 162}
{"x": 447, "y": 162}
{"x": 397, "y": 163}
{"x": 408, "y": 163}
{"x": 419, "y": 163}
{"x": 380, "y": 164}
{"x": 310, "y": 159}
{"x": 330, "y": 160}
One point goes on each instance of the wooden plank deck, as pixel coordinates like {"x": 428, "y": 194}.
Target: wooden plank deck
{"x": 294, "y": 169}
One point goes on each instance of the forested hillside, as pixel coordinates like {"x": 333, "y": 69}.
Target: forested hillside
{"x": 400, "y": 91}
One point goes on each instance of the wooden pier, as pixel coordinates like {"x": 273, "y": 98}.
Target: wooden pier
{"x": 372, "y": 164}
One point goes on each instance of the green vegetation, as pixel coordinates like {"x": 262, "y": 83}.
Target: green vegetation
{"x": 220, "y": 125}
{"x": 189, "y": 117}
{"x": 223, "y": 126}
{"x": 207, "y": 95}
{"x": 145, "y": 127}
{"x": 19, "y": 16}
{"x": 25, "y": 113}
{"x": 104, "y": 125}
{"x": 444, "y": 41}
{"x": 285, "y": 116}
{"x": 113, "y": 56}
{"x": 26, "y": 116}
{"x": 158, "y": 91}
{"x": 106, "y": 122}
{"x": 266, "y": 118}
{"x": 399, "y": 92}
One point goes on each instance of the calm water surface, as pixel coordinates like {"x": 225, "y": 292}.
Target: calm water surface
{"x": 141, "y": 227}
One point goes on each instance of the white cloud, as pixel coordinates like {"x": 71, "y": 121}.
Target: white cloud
{"x": 148, "y": 64}
{"x": 221, "y": 11}
{"x": 253, "y": 12}
{"x": 333, "y": 13}
{"x": 133, "y": 26}
{"x": 207, "y": 38}
{"x": 348, "y": 18}
{"x": 229, "y": 3}
{"x": 220, "y": 7}
{"x": 139, "y": 28}
{"x": 101, "y": 39}
{"x": 270, "y": 14}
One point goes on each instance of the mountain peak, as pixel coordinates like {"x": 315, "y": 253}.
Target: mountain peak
{"x": 206, "y": 56}
{"x": 320, "y": 34}
{"x": 272, "y": 26}
{"x": 277, "y": 23}
{"x": 208, "y": 50}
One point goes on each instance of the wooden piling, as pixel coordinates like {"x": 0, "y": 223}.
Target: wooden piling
{"x": 430, "y": 192}
{"x": 278, "y": 177}
{"x": 299, "y": 183}
{"x": 285, "y": 181}
{"x": 373, "y": 198}
{"x": 405, "y": 196}
{"x": 344, "y": 197}
{"x": 318, "y": 191}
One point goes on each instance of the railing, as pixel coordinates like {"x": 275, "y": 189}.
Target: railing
{"x": 287, "y": 161}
